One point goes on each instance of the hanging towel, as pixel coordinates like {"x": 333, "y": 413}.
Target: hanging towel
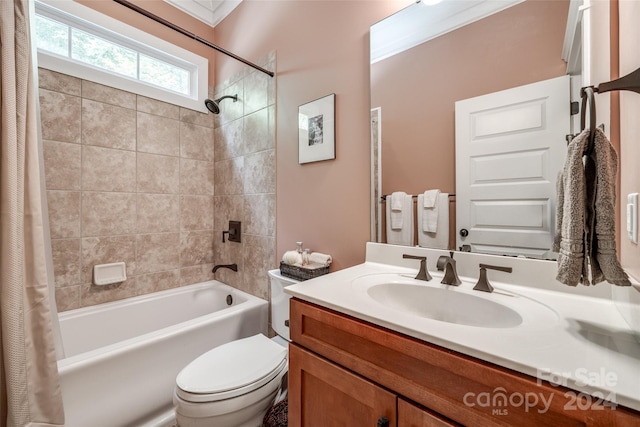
{"x": 397, "y": 203}
{"x": 585, "y": 216}
{"x": 440, "y": 238}
{"x": 403, "y": 235}
{"x": 429, "y": 207}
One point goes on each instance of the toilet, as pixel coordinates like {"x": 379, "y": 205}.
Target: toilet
{"x": 234, "y": 385}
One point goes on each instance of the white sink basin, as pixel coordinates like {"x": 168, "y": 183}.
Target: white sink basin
{"x": 454, "y": 305}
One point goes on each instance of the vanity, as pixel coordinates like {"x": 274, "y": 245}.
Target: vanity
{"x": 372, "y": 346}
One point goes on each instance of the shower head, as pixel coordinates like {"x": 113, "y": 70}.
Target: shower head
{"x": 213, "y": 105}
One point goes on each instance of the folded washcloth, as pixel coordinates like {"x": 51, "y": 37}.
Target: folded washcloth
{"x": 397, "y": 203}
{"x": 319, "y": 258}
{"x": 292, "y": 258}
{"x": 430, "y": 211}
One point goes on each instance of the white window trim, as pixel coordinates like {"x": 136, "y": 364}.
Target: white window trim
{"x": 183, "y": 57}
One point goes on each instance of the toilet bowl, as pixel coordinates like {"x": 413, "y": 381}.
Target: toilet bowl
{"x": 234, "y": 385}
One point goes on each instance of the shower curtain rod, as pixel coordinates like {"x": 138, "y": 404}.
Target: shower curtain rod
{"x": 182, "y": 31}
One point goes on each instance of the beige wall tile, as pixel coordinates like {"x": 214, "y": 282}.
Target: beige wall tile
{"x": 196, "y": 117}
{"x": 68, "y": 298}
{"x": 158, "y": 108}
{"x": 66, "y": 261}
{"x": 225, "y": 209}
{"x": 158, "y": 174}
{"x": 228, "y": 176}
{"x": 196, "y": 213}
{"x": 108, "y": 125}
{"x": 92, "y": 294}
{"x": 106, "y": 169}
{"x": 105, "y": 214}
{"x": 196, "y": 274}
{"x": 61, "y": 165}
{"x": 64, "y": 213}
{"x": 196, "y": 247}
{"x": 108, "y": 95}
{"x": 260, "y": 172}
{"x": 256, "y": 90}
{"x": 196, "y": 177}
{"x": 58, "y": 82}
{"x": 259, "y": 214}
{"x": 105, "y": 250}
{"x": 257, "y": 134}
{"x": 158, "y": 213}
{"x": 157, "y": 252}
{"x": 158, "y": 135}
{"x": 60, "y": 116}
{"x": 155, "y": 282}
{"x": 259, "y": 258}
{"x": 196, "y": 142}
{"x": 229, "y": 140}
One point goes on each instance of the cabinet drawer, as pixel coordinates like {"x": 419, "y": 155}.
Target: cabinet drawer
{"x": 464, "y": 389}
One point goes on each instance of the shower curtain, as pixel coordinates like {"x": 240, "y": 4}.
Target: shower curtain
{"x": 29, "y": 389}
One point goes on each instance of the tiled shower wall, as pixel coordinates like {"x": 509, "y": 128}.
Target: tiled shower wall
{"x": 141, "y": 181}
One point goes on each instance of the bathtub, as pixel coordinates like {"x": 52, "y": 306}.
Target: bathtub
{"x": 122, "y": 358}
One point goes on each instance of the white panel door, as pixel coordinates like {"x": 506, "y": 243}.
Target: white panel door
{"x": 510, "y": 146}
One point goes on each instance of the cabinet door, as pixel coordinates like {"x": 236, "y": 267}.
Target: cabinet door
{"x": 410, "y": 415}
{"x": 325, "y": 395}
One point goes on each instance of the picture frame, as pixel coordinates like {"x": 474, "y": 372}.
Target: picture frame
{"x": 316, "y": 130}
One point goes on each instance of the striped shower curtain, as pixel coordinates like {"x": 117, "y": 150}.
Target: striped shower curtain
{"x": 29, "y": 390}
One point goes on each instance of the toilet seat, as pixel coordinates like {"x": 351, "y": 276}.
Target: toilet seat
{"x": 231, "y": 370}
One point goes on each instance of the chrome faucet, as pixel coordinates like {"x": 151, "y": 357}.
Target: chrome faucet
{"x": 423, "y": 274}
{"x": 483, "y": 282}
{"x": 233, "y": 267}
{"x": 448, "y": 264}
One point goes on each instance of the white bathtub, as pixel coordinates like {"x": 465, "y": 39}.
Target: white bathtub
{"x": 122, "y": 358}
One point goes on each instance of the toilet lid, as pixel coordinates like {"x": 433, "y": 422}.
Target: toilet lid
{"x": 233, "y": 366}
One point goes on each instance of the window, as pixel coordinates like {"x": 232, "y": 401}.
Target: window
{"x": 112, "y": 53}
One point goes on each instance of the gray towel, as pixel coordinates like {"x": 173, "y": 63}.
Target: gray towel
{"x": 585, "y": 216}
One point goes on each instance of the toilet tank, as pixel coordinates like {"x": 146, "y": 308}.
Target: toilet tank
{"x": 280, "y": 302}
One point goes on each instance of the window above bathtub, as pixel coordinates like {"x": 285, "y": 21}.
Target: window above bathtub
{"x": 79, "y": 41}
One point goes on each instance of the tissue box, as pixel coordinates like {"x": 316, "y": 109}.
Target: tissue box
{"x": 303, "y": 273}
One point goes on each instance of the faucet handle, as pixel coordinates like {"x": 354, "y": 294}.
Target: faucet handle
{"x": 423, "y": 274}
{"x": 483, "y": 282}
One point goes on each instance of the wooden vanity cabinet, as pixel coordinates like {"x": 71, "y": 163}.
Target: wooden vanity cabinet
{"x": 344, "y": 372}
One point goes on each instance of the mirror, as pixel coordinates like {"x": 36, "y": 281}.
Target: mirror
{"x": 413, "y": 92}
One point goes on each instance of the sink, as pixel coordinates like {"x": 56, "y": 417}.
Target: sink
{"x": 445, "y": 305}
{"x": 432, "y": 301}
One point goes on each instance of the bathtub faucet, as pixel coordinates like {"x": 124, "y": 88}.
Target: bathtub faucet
{"x": 233, "y": 267}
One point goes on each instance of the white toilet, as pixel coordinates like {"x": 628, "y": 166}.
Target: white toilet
{"x": 234, "y": 385}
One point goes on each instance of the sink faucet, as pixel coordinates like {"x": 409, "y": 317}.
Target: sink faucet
{"x": 448, "y": 264}
{"x": 233, "y": 267}
{"x": 483, "y": 283}
{"x": 423, "y": 274}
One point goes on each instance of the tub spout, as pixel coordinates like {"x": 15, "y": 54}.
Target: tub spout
{"x": 233, "y": 267}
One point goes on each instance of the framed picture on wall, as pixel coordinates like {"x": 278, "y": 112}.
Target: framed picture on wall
{"x": 316, "y": 130}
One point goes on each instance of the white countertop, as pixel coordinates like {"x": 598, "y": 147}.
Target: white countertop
{"x": 582, "y": 342}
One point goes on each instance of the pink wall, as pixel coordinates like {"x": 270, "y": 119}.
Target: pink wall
{"x": 322, "y": 47}
{"x": 417, "y": 89}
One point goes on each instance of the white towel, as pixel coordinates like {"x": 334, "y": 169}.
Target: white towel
{"x": 403, "y": 235}
{"x": 397, "y": 203}
{"x": 319, "y": 258}
{"x": 439, "y": 239}
{"x": 429, "y": 206}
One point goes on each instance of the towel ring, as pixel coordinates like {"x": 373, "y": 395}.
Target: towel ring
{"x": 588, "y": 93}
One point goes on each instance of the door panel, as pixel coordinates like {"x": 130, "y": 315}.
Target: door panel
{"x": 510, "y": 146}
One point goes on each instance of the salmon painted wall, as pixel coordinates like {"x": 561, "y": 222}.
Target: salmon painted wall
{"x": 168, "y": 12}
{"x": 417, "y": 89}
{"x": 322, "y": 47}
